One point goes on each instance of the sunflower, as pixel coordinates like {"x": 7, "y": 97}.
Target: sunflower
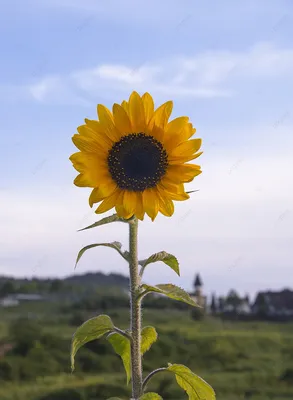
{"x": 134, "y": 159}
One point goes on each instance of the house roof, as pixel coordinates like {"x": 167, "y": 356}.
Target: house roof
{"x": 24, "y": 296}
{"x": 278, "y": 300}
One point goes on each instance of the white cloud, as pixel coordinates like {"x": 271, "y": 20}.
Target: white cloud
{"x": 57, "y": 90}
{"x": 237, "y": 230}
{"x": 205, "y": 75}
{"x": 262, "y": 61}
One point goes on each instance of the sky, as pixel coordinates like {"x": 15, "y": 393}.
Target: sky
{"x": 227, "y": 65}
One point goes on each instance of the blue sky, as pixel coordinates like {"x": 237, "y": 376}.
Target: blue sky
{"x": 228, "y": 65}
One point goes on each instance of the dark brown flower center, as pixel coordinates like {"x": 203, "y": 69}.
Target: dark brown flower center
{"x": 137, "y": 162}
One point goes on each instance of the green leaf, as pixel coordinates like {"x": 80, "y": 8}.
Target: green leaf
{"x": 121, "y": 345}
{"x": 115, "y": 245}
{"x": 92, "y": 329}
{"x": 195, "y": 387}
{"x": 172, "y": 291}
{"x": 114, "y": 398}
{"x": 106, "y": 220}
{"x": 148, "y": 337}
{"x": 151, "y": 396}
{"x": 166, "y": 258}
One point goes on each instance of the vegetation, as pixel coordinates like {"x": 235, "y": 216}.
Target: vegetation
{"x": 241, "y": 360}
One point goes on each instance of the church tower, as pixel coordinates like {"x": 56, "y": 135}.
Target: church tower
{"x": 198, "y": 285}
{"x": 199, "y": 298}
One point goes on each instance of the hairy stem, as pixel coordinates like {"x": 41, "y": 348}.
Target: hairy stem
{"x": 135, "y": 315}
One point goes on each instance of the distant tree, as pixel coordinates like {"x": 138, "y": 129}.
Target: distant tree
{"x": 214, "y": 306}
{"x": 262, "y": 306}
{"x": 221, "y": 304}
{"x": 197, "y": 313}
{"x": 233, "y": 300}
{"x": 7, "y": 288}
{"x": 247, "y": 299}
{"x": 56, "y": 286}
{"x": 29, "y": 287}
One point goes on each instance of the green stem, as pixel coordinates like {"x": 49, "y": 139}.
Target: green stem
{"x": 135, "y": 315}
{"x": 156, "y": 371}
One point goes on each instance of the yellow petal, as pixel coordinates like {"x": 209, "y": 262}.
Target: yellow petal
{"x": 179, "y": 196}
{"x": 95, "y": 197}
{"x": 93, "y": 125}
{"x": 148, "y": 105}
{"x": 189, "y": 131}
{"x": 181, "y": 160}
{"x": 107, "y": 123}
{"x": 176, "y": 125}
{"x": 95, "y": 131}
{"x": 175, "y": 133}
{"x": 102, "y": 191}
{"x": 136, "y": 113}
{"x": 162, "y": 115}
{"x": 129, "y": 201}
{"x": 156, "y": 132}
{"x": 94, "y": 169}
{"x": 83, "y": 181}
{"x": 125, "y": 105}
{"x": 150, "y": 199}
{"x": 120, "y": 210}
{"x": 166, "y": 205}
{"x": 187, "y": 148}
{"x": 84, "y": 162}
{"x": 121, "y": 119}
{"x": 182, "y": 173}
{"x": 108, "y": 203}
{"x": 139, "y": 211}
{"x": 170, "y": 186}
{"x": 90, "y": 145}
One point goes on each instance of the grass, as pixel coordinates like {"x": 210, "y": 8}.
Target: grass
{"x": 238, "y": 359}
{"x": 42, "y": 386}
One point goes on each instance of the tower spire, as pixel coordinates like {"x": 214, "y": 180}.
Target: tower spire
{"x": 198, "y": 281}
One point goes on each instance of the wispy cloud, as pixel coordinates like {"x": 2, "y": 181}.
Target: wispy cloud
{"x": 205, "y": 75}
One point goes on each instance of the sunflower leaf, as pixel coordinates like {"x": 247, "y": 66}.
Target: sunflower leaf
{"x": 115, "y": 245}
{"x": 151, "y": 396}
{"x": 195, "y": 387}
{"x": 114, "y": 398}
{"x": 172, "y": 291}
{"x": 106, "y": 220}
{"x": 90, "y": 330}
{"x": 166, "y": 258}
{"x": 148, "y": 337}
{"x": 121, "y": 346}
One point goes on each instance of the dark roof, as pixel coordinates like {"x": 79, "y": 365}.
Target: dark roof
{"x": 279, "y": 300}
{"x": 198, "y": 281}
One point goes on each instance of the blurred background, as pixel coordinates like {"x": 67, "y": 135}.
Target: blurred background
{"x": 229, "y": 67}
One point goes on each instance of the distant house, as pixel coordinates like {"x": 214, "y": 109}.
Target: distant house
{"x": 9, "y": 301}
{"x": 274, "y": 304}
{"x": 15, "y": 299}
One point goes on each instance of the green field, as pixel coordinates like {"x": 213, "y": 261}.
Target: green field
{"x": 241, "y": 360}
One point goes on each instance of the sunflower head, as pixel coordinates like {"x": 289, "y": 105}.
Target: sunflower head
{"x": 134, "y": 159}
